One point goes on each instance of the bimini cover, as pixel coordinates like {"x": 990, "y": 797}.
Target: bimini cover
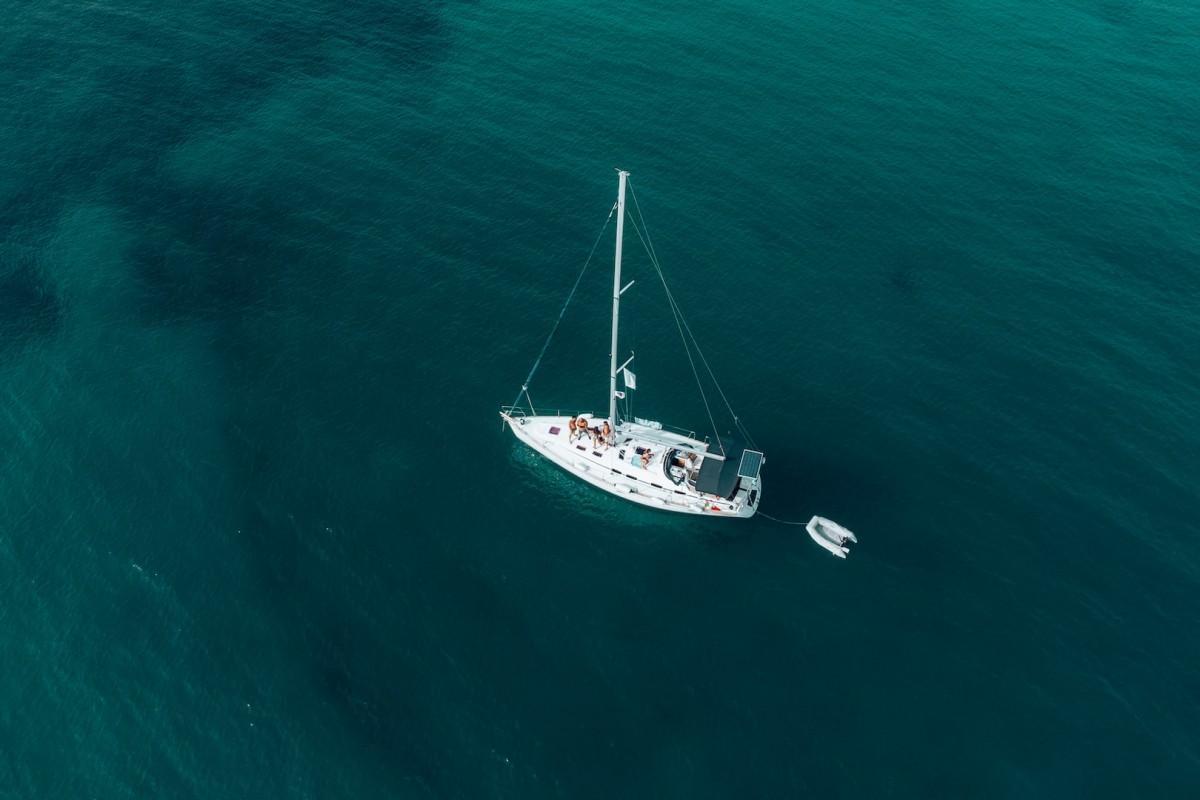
{"x": 721, "y": 477}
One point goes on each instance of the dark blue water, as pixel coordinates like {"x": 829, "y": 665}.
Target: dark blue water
{"x": 267, "y": 270}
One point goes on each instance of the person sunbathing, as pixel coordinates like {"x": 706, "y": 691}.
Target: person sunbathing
{"x": 602, "y": 435}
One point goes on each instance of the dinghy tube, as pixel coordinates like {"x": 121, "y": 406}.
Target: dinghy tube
{"x": 830, "y": 535}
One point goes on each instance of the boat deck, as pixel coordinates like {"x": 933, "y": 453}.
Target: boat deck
{"x": 620, "y": 468}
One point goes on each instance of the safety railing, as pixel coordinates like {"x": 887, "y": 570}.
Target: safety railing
{"x": 518, "y": 412}
{"x": 526, "y": 411}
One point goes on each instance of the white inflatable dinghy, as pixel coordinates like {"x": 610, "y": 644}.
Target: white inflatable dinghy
{"x": 830, "y": 535}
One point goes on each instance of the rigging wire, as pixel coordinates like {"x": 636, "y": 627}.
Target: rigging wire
{"x": 525, "y": 386}
{"x": 649, "y": 245}
{"x": 676, "y": 314}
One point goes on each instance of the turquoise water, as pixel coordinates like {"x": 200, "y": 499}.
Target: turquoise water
{"x": 267, "y": 270}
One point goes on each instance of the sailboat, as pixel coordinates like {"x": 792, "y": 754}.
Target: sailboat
{"x": 642, "y": 460}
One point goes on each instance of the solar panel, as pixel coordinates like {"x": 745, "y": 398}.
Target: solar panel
{"x": 751, "y": 463}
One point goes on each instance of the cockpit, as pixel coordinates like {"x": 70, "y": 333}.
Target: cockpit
{"x": 680, "y": 466}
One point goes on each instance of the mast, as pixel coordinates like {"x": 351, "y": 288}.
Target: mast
{"x": 612, "y": 370}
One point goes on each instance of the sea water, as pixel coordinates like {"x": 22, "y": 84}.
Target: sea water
{"x": 269, "y": 269}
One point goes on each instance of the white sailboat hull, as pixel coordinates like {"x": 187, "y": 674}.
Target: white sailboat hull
{"x": 617, "y": 470}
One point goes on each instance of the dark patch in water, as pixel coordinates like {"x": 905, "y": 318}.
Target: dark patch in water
{"x": 908, "y": 263}
{"x": 377, "y": 700}
{"x": 216, "y": 254}
{"x": 28, "y": 309}
{"x": 386, "y": 712}
{"x": 904, "y": 278}
{"x": 146, "y": 104}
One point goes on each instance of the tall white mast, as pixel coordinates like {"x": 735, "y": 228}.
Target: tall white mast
{"x": 612, "y": 372}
